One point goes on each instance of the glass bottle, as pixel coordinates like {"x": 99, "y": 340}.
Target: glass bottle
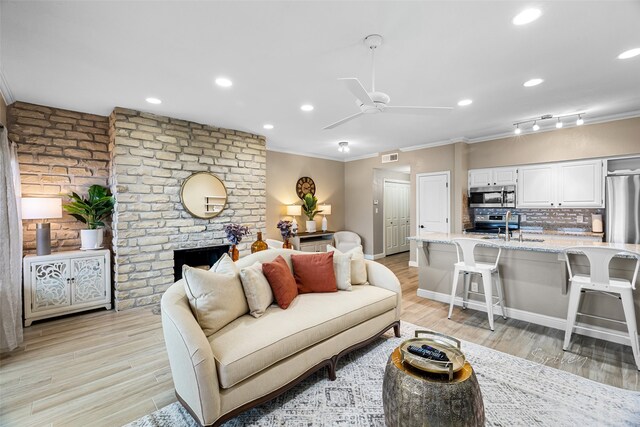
{"x": 259, "y": 245}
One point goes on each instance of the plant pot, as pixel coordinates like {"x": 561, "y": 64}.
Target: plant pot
{"x": 91, "y": 239}
{"x": 311, "y": 227}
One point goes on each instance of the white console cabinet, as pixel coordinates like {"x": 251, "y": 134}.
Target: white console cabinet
{"x": 66, "y": 282}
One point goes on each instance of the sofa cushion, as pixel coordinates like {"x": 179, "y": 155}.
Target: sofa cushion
{"x": 256, "y": 289}
{"x": 358, "y": 266}
{"x": 314, "y": 272}
{"x": 281, "y": 281}
{"x": 215, "y": 296}
{"x": 248, "y": 345}
{"x": 342, "y": 268}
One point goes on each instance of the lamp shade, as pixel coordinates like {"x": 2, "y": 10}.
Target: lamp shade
{"x": 294, "y": 210}
{"x": 41, "y": 207}
{"x": 325, "y": 209}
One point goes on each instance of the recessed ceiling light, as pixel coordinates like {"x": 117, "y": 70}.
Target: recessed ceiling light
{"x": 268, "y": 126}
{"x": 306, "y": 107}
{"x": 526, "y": 16}
{"x": 153, "y": 101}
{"x": 465, "y": 102}
{"x": 532, "y": 82}
{"x": 224, "y": 82}
{"x": 629, "y": 53}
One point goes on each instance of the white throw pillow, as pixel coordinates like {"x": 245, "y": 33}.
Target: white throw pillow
{"x": 216, "y": 297}
{"x": 358, "y": 266}
{"x": 342, "y": 269}
{"x": 256, "y": 289}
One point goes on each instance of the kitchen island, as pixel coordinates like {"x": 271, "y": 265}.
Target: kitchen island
{"x": 534, "y": 277}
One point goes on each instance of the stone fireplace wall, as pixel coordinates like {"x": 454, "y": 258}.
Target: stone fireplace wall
{"x": 151, "y": 157}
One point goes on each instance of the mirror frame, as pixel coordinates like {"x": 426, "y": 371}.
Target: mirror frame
{"x": 184, "y": 183}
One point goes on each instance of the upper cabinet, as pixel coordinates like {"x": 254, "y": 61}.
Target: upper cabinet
{"x": 565, "y": 185}
{"x": 492, "y": 176}
{"x": 580, "y": 184}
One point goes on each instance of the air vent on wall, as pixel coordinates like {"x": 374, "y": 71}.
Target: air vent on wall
{"x": 388, "y": 158}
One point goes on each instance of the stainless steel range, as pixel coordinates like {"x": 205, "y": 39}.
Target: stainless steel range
{"x": 493, "y": 224}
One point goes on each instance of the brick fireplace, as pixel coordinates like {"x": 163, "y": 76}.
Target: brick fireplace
{"x": 150, "y": 158}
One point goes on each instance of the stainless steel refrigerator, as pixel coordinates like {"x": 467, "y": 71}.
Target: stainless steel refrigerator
{"x": 623, "y": 208}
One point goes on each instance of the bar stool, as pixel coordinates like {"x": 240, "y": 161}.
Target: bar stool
{"x": 599, "y": 281}
{"x": 469, "y": 266}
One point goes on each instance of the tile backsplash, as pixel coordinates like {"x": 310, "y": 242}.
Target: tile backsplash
{"x": 548, "y": 219}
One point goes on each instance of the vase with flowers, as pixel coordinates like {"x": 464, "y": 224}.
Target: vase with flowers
{"x": 286, "y": 231}
{"x": 235, "y": 233}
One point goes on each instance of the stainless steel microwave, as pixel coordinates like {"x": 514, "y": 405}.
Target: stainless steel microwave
{"x": 499, "y": 196}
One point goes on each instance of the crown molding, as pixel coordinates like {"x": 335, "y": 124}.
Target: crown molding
{"x": 299, "y": 153}
{"x": 5, "y": 91}
{"x": 434, "y": 144}
{"x": 364, "y": 156}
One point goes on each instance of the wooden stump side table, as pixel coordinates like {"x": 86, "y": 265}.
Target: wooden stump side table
{"x": 412, "y": 398}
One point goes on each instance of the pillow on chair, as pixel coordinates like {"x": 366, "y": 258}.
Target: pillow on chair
{"x": 358, "y": 266}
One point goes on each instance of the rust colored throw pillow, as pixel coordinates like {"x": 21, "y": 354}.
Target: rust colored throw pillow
{"x": 314, "y": 272}
{"x": 281, "y": 281}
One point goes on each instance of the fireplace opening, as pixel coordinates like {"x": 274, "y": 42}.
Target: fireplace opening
{"x": 197, "y": 257}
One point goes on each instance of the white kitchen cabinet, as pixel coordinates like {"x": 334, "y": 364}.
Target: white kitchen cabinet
{"x": 536, "y": 186}
{"x": 66, "y": 282}
{"x": 492, "y": 176}
{"x": 563, "y": 185}
{"x": 580, "y": 184}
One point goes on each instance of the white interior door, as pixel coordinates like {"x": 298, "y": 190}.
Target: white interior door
{"x": 396, "y": 216}
{"x": 433, "y": 202}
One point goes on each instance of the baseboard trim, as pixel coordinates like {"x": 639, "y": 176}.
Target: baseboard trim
{"x": 374, "y": 256}
{"x": 527, "y": 316}
{"x": 413, "y": 264}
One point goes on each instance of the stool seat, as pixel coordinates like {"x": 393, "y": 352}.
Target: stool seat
{"x": 615, "y": 283}
{"x": 600, "y": 281}
{"x": 468, "y": 265}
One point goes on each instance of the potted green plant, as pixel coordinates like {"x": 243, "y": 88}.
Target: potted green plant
{"x": 91, "y": 211}
{"x": 310, "y": 208}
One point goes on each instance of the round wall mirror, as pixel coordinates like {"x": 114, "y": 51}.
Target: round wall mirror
{"x": 203, "y": 195}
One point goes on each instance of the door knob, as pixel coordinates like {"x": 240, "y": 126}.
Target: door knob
{"x": 421, "y": 226}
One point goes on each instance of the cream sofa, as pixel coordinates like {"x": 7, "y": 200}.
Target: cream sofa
{"x": 250, "y": 361}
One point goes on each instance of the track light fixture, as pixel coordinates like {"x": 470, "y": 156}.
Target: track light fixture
{"x": 343, "y": 147}
{"x": 558, "y": 117}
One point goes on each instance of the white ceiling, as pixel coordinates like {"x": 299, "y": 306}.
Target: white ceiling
{"x": 95, "y": 55}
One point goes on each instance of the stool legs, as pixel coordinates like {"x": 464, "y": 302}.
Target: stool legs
{"x": 572, "y": 311}
{"x": 465, "y": 295}
{"x": 500, "y": 294}
{"x": 487, "y": 284}
{"x": 630, "y": 315}
{"x": 454, "y": 285}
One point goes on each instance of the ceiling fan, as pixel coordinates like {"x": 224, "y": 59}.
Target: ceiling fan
{"x": 376, "y": 102}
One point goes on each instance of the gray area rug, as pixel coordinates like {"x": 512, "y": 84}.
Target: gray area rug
{"x": 516, "y": 392}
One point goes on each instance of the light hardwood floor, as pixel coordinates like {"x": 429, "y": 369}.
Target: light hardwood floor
{"x": 108, "y": 368}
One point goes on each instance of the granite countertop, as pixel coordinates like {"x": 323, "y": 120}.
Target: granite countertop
{"x": 555, "y": 245}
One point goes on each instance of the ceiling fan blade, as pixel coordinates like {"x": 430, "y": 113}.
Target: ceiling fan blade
{"x": 345, "y": 120}
{"x": 416, "y": 110}
{"x": 355, "y": 87}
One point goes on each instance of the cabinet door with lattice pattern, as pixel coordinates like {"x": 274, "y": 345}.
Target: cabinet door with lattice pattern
{"x": 50, "y": 285}
{"x": 88, "y": 279}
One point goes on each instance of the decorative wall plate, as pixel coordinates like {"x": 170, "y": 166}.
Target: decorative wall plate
{"x": 305, "y": 185}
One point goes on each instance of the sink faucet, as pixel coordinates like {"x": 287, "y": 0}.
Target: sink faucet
{"x": 506, "y": 225}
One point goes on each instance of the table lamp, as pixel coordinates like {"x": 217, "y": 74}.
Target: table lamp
{"x": 293, "y": 211}
{"x": 42, "y": 208}
{"x": 324, "y": 210}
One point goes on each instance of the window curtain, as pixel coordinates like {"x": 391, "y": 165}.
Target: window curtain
{"x": 10, "y": 247}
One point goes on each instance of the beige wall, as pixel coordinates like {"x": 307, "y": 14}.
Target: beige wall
{"x": 621, "y": 137}
{"x": 3, "y": 111}
{"x": 283, "y": 171}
